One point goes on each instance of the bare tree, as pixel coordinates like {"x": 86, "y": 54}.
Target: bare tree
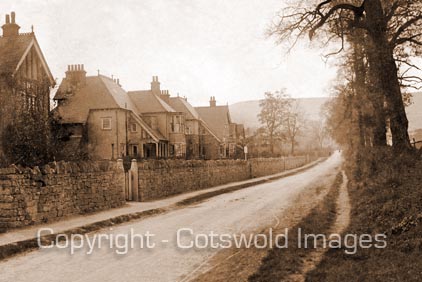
{"x": 392, "y": 27}
{"x": 274, "y": 110}
{"x": 294, "y": 123}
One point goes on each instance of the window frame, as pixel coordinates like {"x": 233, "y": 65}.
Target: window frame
{"x": 103, "y": 127}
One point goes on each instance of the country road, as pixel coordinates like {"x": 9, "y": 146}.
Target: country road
{"x": 246, "y": 210}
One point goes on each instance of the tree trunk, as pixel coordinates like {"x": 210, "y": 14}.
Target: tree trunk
{"x": 271, "y": 144}
{"x": 292, "y": 151}
{"x": 386, "y": 70}
{"x": 376, "y": 97}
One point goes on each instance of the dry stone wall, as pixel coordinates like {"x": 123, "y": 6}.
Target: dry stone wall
{"x": 163, "y": 178}
{"x": 30, "y": 196}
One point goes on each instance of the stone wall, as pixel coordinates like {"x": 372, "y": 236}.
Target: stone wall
{"x": 162, "y": 178}
{"x": 267, "y": 166}
{"x": 30, "y": 196}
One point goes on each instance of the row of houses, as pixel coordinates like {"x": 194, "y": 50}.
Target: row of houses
{"x": 99, "y": 118}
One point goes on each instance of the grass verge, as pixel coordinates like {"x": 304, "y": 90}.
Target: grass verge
{"x": 387, "y": 200}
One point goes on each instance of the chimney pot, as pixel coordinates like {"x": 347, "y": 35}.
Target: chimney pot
{"x": 13, "y": 15}
{"x": 7, "y": 19}
{"x": 213, "y": 103}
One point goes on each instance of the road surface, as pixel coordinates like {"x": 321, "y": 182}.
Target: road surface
{"x": 240, "y": 212}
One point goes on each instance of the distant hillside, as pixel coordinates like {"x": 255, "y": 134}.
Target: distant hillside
{"x": 246, "y": 112}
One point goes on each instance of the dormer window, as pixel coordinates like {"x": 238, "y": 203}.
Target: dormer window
{"x": 106, "y": 123}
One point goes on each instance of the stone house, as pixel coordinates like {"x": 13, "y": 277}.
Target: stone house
{"x": 232, "y": 135}
{"x": 101, "y": 121}
{"x": 201, "y": 142}
{"x": 25, "y": 78}
{"x": 153, "y": 106}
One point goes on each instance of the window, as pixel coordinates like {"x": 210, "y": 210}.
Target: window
{"x": 133, "y": 127}
{"x": 106, "y": 123}
{"x": 177, "y": 124}
{"x": 144, "y": 134}
{"x": 134, "y": 150}
{"x": 189, "y": 130}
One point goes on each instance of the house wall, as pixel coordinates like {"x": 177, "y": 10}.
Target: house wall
{"x": 192, "y": 147}
{"x": 193, "y": 124}
{"x": 211, "y": 147}
{"x": 100, "y": 141}
{"x": 31, "y": 196}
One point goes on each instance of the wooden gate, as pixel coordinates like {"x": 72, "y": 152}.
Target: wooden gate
{"x": 131, "y": 179}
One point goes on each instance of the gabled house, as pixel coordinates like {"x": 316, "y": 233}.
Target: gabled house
{"x": 153, "y": 106}
{"x": 101, "y": 120}
{"x": 25, "y": 78}
{"x": 201, "y": 142}
{"x": 219, "y": 121}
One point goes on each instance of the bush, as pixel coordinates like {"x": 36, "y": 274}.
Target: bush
{"x": 26, "y": 141}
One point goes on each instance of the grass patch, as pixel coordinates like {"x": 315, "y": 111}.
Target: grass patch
{"x": 387, "y": 199}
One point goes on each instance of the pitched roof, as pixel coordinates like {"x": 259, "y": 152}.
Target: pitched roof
{"x": 13, "y": 50}
{"x": 95, "y": 94}
{"x": 147, "y": 102}
{"x": 216, "y": 117}
{"x": 99, "y": 92}
{"x": 181, "y": 105}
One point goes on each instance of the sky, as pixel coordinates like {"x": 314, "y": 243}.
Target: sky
{"x": 197, "y": 48}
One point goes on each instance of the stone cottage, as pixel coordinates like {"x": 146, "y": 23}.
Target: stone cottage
{"x": 232, "y": 135}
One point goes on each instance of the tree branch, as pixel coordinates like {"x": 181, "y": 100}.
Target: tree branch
{"x": 358, "y": 11}
{"x": 403, "y": 28}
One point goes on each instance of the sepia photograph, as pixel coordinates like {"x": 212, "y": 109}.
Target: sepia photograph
{"x": 210, "y": 140}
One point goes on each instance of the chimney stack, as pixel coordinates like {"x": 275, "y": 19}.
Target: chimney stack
{"x": 213, "y": 103}
{"x": 10, "y": 28}
{"x": 76, "y": 75}
{"x": 165, "y": 96}
{"x": 155, "y": 86}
